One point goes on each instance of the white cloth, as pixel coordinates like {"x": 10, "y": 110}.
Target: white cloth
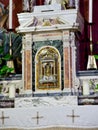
{"x": 50, "y": 116}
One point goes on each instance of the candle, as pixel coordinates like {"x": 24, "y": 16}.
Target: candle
{"x": 10, "y": 14}
{"x": 90, "y": 10}
{"x": 11, "y": 91}
{"x": 86, "y": 90}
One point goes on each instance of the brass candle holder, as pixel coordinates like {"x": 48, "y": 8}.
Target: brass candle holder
{"x": 91, "y": 65}
{"x": 10, "y": 62}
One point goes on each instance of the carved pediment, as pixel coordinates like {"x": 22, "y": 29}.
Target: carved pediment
{"x": 41, "y": 22}
{"x": 49, "y": 20}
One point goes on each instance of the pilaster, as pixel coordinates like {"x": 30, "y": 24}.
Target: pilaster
{"x": 69, "y": 58}
{"x": 27, "y": 62}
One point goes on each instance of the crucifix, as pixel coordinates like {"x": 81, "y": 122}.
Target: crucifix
{"x": 3, "y": 118}
{"x": 73, "y": 116}
{"x": 37, "y": 117}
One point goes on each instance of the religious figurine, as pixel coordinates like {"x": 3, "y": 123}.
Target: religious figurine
{"x": 26, "y": 5}
{"x": 65, "y": 4}
{"x": 71, "y": 4}
{"x": 32, "y": 4}
{"x": 48, "y": 70}
{"x": 62, "y": 2}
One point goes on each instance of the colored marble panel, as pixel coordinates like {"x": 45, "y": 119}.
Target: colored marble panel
{"x": 27, "y": 70}
{"x": 67, "y": 67}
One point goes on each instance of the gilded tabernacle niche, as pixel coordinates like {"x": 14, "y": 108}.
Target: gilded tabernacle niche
{"x": 47, "y": 68}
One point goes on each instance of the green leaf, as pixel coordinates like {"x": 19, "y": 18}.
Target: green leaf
{"x": 1, "y": 50}
{"x": 7, "y": 57}
{"x": 0, "y": 61}
{"x": 5, "y": 70}
{"x": 96, "y": 57}
{"x": 96, "y": 88}
{"x": 9, "y": 70}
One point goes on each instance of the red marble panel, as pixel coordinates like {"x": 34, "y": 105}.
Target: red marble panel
{"x": 67, "y": 68}
{"x": 27, "y": 70}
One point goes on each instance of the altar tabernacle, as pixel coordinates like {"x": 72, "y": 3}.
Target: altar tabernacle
{"x": 52, "y": 92}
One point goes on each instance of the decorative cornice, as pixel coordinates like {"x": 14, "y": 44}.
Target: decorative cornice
{"x": 69, "y": 18}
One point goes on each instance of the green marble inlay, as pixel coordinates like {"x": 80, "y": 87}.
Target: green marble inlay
{"x": 58, "y": 44}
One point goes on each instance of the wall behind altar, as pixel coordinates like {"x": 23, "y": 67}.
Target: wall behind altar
{"x": 17, "y": 8}
{"x": 83, "y": 46}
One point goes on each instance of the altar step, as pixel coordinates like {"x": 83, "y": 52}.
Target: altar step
{"x": 54, "y": 128}
{"x": 47, "y": 100}
{"x": 88, "y": 100}
{"x": 7, "y": 103}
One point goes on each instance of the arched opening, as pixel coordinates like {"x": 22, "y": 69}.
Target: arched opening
{"x": 47, "y": 69}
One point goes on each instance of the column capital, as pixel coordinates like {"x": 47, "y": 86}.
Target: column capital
{"x": 66, "y": 38}
{"x": 27, "y": 41}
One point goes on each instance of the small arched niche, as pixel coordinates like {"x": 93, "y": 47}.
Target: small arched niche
{"x": 47, "y": 69}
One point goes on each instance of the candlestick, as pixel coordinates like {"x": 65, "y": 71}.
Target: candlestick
{"x": 91, "y": 44}
{"x": 90, "y": 33}
{"x": 10, "y": 14}
{"x": 90, "y": 10}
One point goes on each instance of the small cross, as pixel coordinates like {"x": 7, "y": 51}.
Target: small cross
{"x": 3, "y": 118}
{"x": 73, "y": 116}
{"x": 37, "y": 117}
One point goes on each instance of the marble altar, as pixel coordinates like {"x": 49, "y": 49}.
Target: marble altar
{"x": 48, "y": 91}
{"x": 48, "y": 37}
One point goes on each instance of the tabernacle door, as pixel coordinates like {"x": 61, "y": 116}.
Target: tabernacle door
{"x": 47, "y": 69}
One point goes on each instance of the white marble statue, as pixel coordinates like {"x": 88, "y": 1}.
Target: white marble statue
{"x": 26, "y": 5}
{"x": 62, "y": 2}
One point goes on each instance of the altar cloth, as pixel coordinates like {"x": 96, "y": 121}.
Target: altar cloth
{"x": 49, "y": 116}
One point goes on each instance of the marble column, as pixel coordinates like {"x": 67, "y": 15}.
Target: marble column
{"x": 68, "y": 65}
{"x": 27, "y": 62}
